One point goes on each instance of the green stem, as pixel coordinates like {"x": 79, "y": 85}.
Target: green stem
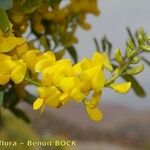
{"x": 124, "y": 67}
{"x": 29, "y": 80}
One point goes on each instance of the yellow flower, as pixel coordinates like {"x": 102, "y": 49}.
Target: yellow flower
{"x": 18, "y": 73}
{"x": 61, "y": 81}
{"x": 9, "y": 43}
{"x": 45, "y": 60}
{"x": 11, "y": 69}
{"x": 48, "y": 95}
{"x": 121, "y": 88}
{"x": 90, "y": 72}
{"x": 92, "y": 107}
{"x": 94, "y": 113}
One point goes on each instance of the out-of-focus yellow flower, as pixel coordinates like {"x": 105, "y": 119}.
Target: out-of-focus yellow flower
{"x": 56, "y": 15}
{"x": 121, "y": 88}
{"x": 86, "y": 6}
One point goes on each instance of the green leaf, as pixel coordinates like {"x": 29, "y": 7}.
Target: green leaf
{"x": 29, "y": 98}
{"x": 19, "y": 113}
{"x": 136, "y": 59}
{"x": 1, "y": 97}
{"x": 45, "y": 42}
{"x": 4, "y": 21}
{"x": 73, "y": 53}
{"x": 138, "y": 89}
{"x": 129, "y": 52}
{"x": 60, "y": 54}
{"x": 6, "y": 4}
{"x": 131, "y": 36}
{"x": 106, "y": 45}
{"x": 135, "y": 70}
{"x": 96, "y": 44}
{"x": 11, "y": 99}
{"x": 146, "y": 48}
{"x": 130, "y": 44}
{"x": 118, "y": 56}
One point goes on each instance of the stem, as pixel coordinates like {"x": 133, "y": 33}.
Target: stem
{"x": 124, "y": 67}
{"x": 32, "y": 81}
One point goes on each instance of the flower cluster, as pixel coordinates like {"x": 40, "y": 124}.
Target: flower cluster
{"x": 11, "y": 67}
{"x": 59, "y": 81}
{"x": 53, "y": 19}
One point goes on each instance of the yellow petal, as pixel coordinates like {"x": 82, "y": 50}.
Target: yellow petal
{"x": 86, "y": 64}
{"x": 6, "y": 66}
{"x": 38, "y": 103}
{"x": 64, "y": 96}
{"x": 89, "y": 73}
{"x": 4, "y": 79}
{"x": 4, "y": 57}
{"x": 10, "y": 43}
{"x": 98, "y": 81}
{"x": 97, "y": 59}
{"x": 30, "y": 58}
{"x": 94, "y": 101}
{"x": 69, "y": 83}
{"x": 77, "y": 69}
{"x": 18, "y": 74}
{"x": 59, "y": 74}
{"x": 121, "y": 88}
{"x": 86, "y": 86}
{"x": 42, "y": 64}
{"x": 22, "y": 49}
{"x": 76, "y": 94}
{"x": 50, "y": 55}
{"x": 46, "y": 79}
{"x": 45, "y": 92}
{"x": 53, "y": 100}
{"x": 67, "y": 64}
{"x": 95, "y": 114}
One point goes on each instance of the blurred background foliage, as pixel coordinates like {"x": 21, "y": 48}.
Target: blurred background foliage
{"x": 14, "y": 129}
